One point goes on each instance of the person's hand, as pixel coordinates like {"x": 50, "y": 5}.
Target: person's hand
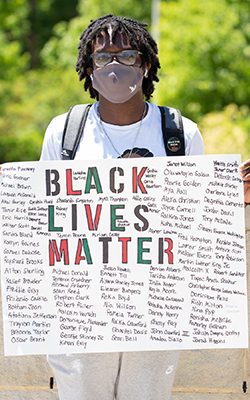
{"x": 245, "y": 173}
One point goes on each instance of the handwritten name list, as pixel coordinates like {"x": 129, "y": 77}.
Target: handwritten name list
{"x": 123, "y": 255}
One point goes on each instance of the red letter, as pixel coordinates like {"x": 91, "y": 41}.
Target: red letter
{"x": 137, "y": 180}
{"x": 53, "y": 251}
{"x": 168, "y": 250}
{"x": 89, "y": 216}
{"x": 124, "y": 248}
{"x": 70, "y": 190}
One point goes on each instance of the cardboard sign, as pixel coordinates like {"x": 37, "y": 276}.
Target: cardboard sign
{"x": 123, "y": 255}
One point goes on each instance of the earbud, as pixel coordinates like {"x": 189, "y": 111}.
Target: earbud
{"x": 145, "y": 73}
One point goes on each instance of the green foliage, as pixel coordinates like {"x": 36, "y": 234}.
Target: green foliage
{"x": 13, "y": 24}
{"x": 42, "y": 16}
{"x": 205, "y": 53}
{"x": 129, "y": 8}
{"x": 12, "y": 61}
{"x": 227, "y": 131}
{"x": 20, "y": 148}
{"x": 26, "y": 26}
{"x": 30, "y": 104}
{"x": 13, "y": 19}
{"x": 61, "y": 50}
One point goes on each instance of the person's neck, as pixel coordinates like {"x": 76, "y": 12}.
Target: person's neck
{"x": 121, "y": 113}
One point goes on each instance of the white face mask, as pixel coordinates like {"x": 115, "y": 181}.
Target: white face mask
{"x": 117, "y": 82}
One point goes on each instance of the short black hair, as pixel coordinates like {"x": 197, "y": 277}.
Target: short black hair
{"x": 139, "y": 38}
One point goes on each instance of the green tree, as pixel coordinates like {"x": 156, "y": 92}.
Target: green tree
{"x": 227, "y": 131}
{"x": 30, "y": 104}
{"x": 13, "y": 25}
{"x": 42, "y": 16}
{"x": 29, "y": 98}
{"x": 26, "y": 25}
{"x": 205, "y": 53}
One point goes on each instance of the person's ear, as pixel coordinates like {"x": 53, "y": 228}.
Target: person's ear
{"x": 89, "y": 71}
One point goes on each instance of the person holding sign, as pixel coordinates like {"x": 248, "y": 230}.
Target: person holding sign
{"x": 118, "y": 61}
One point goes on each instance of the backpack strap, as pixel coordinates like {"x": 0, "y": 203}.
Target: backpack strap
{"x": 73, "y": 130}
{"x": 172, "y": 130}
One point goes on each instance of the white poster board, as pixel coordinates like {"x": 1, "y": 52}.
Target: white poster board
{"x": 123, "y": 255}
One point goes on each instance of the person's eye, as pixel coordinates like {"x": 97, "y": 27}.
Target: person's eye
{"x": 102, "y": 57}
{"x": 128, "y": 57}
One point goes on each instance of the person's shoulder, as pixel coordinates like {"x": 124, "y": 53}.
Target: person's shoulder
{"x": 52, "y": 142}
{"x": 55, "y": 128}
{"x": 58, "y": 122}
{"x": 189, "y": 126}
{"x": 193, "y": 140}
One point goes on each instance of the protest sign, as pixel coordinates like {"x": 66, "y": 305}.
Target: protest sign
{"x": 123, "y": 255}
